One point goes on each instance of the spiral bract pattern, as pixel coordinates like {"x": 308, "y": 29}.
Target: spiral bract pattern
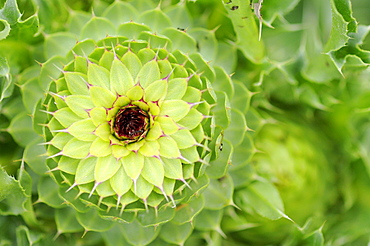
{"x": 126, "y": 121}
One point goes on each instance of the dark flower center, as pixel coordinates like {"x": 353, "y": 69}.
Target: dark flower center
{"x": 131, "y": 123}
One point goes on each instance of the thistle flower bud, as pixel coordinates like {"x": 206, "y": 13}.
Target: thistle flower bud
{"x": 130, "y": 119}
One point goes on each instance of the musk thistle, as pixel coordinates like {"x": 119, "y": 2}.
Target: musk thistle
{"x": 128, "y": 124}
{"x": 129, "y": 129}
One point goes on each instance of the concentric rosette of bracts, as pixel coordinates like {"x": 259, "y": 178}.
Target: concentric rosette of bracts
{"x": 132, "y": 118}
{"x": 126, "y": 123}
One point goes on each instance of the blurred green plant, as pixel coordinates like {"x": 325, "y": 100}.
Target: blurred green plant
{"x": 291, "y": 184}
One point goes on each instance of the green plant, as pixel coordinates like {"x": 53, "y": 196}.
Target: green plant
{"x": 179, "y": 122}
{"x": 124, "y": 124}
{"x": 291, "y": 185}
